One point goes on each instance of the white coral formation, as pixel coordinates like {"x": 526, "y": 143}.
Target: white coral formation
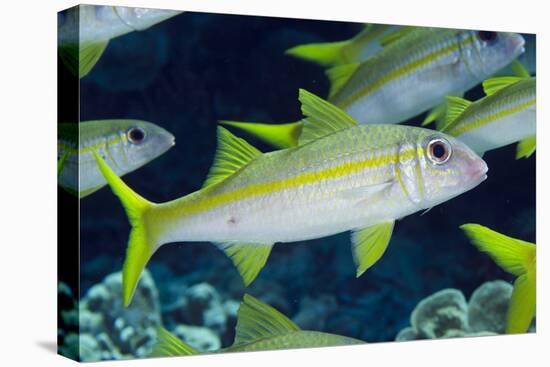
{"x": 446, "y": 314}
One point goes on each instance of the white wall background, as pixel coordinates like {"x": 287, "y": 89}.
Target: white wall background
{"x": 28, "y": 181}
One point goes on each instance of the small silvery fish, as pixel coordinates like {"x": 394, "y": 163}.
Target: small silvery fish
{"x": 342, "y": 176}
{"x": 412, "y": 74}
{"x": 125, "y": 144}
{"x": 259, "y": 327}
{"x": 505, "y": 116}
{"x": 359, "y": 48}
{"x": 518, "y": 258}
{"x": 85, "y": 31}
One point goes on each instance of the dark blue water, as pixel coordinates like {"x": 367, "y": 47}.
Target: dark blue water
{"x": 194, "y": 69}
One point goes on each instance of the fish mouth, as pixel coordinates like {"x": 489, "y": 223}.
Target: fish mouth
{"x": 477, "y": 171}
{"x": 517, "y": 45}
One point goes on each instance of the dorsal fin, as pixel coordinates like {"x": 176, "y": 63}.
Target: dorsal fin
{"x": 232, "y": 154}
{"x": 256, "y": 321}
{"x": 455, "y": 107}
{"x": 339, "y": 75}
{"x": 322, "y": 117}
{"x": 493, "y": 85}
{"x": 395, "y": 35}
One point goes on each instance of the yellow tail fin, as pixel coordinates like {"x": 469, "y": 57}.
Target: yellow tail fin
{"x": 324, "y": 54}
{"x": 517, "y": 257}
{"x": 281, "y": 136}
{"x": 142, "y": 242}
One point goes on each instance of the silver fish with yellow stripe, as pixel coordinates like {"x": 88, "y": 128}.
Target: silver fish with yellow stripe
{"x": 413, "y": 73}
{"x": 125, "y": 144}
{"x": 342, "y": 176}
{"x": 505, "y": 116}
{"x": 85, "y": 31}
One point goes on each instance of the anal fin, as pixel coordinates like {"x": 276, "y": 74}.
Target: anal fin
{"x": 249, "y": 258}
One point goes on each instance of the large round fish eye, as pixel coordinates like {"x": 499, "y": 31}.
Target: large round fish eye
{"x": 487, "y": 36}
{"x": 135, "y": 135}
{"x": 438, "y": 151}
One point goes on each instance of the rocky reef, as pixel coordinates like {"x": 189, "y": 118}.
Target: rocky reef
{"x": 447, "y": 314}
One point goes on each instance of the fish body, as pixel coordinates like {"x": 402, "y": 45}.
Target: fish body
{"x": 84, "y": 31}
{"x": 125, "y": 144}
{"x": 504, "y": 117}
{"x": 342, "y": 176}
{"x": 417, "y": 71}
{"x": 259, "y": 327}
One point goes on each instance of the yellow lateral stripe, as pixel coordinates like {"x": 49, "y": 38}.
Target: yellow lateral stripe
{"x": 253, "y": 190}
{"x": 91, "y": 148}
{"x": 407, "y": 68}
{"x": 494, "y": 116}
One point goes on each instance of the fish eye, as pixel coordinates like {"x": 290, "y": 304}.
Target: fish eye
{"x": 486, "y": 36}
{"x": 438, "y": 151}
{"x": 135, "y": 135}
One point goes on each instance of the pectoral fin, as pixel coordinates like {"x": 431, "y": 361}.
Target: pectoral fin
{"x": 369, "y": 244}
{"x": 454, "y": 107}
{"x": 249, "y": 258}
{"x": 339, "y": 75}
{"x": 89, "y": 56}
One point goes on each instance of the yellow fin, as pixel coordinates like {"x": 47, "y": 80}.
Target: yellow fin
{"x": 281, "y": 136}
{"x": 232, "y": 154}
{"x": 322, "y": 118}
{"x": 369, "y": 244}
{"x": 249, "y": 258}
{"x": 69, "y": 56}
{"x": 142, "y": 242}
{"x": 435, "y": 114}
{"x": 89, "y": 56}
{"x": 61, "y": 163}
{"x": 493, "y": 85}
{"x": 256, "y": 321}
{"x": 522, "y": 304}
{"x": 324, "y": 54}
{"x": 169, "y": 345}
{"x": 454, "y": 107}
{"x": 339, "y": 75}
{"x": 519, "y": 70}
{"x": 526, "y": 147}
{"x": 513, "y": 255}
{"x": 396, "y": 35}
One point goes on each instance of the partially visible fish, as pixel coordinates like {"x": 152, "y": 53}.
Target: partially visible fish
{"x": 259, "y": 327}
{"x": 125, "y": 144}
{"x": 518, "y": 258}
{"x": 505, "y": 116}
{"x": 85, "y": 30}
{"x": 410, "y": 75}
{"x": 341, "y": 177}
{"x": 359, "y": 48}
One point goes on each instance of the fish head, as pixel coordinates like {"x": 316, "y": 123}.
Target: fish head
{"x": 448, "y": 168}
{"x": 144, "y": 141}
{"x": 487, "y": 52}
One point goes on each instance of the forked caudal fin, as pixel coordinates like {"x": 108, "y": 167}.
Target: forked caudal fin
{"x": 324, "y": 54}
{"x": 517, "y": 257}
{"x": 281, "y": 136}
{"x": 142, "y": 242}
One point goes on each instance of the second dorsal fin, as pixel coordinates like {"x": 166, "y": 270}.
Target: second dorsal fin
{"x": 232, "y": 154}
{"x": 256, "y": 321}
{"x": 321, "y": 118}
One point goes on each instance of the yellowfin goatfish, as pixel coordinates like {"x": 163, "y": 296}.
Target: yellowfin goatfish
{"x": 259, "y": 327}
{"x": 413, "y": 73}
{"x": 505, "y": 116}
{"x": 518, "y": 258}
{"x": 359, "y": 48}
{"x": 342, "y": 176}
{"x": 125, "y": 144}
{"x": 85, "y": 31}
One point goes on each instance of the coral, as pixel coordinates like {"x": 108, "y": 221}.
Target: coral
{"x": 445, "y": 314}
{"x": 314, "y": 312}
{"x": 201, "y": 338}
